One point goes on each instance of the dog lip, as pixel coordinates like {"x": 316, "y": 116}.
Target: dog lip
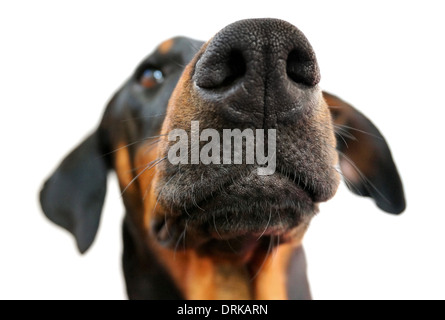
{"x": 304, "y": 191}
{"x": 250, "y": 206}
{"x": 257, "y": 233}
{"x": 255, "y": 188}
{"x": 168, "y": 233}
{"x": 301, "y": 182}
{"x": 269, "y": 209}
{"x": 231, "y": 241}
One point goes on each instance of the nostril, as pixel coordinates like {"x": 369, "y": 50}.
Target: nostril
{"x": 216, "y": 71}
{"x": 236, "y": 67}
{"x": 302, "y": 68}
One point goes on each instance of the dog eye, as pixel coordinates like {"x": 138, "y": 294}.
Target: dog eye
{"x": 151, "y": 77}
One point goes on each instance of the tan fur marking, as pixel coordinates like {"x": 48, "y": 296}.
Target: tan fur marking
{"x": 123, "y": 167}
{"x": 272, "y": 270}
{"x": 271, "y": 281}
{"x": 145, "y": 162}
{"x": 165, "y": 46}
{"x": 207, "y": 279}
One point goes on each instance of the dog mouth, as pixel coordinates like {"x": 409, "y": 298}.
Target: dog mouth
{"x": 245, "y": 100}
{"x": 250, "y": 210}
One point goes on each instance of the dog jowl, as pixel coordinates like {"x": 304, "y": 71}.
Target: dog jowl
{"x": 204, "y": 220}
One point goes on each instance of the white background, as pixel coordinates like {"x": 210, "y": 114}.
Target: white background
{"x": 61, "y": 61}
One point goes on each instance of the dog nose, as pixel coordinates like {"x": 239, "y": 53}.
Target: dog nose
{"x": 253, "y": 61}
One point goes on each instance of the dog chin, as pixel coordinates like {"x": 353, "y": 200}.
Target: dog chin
{"x": 233, "y": 230}
{"x": 227, "y": 234}
{"x": 252, "y": 207}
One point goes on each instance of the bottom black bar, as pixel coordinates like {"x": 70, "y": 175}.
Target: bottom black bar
{"x": 224, "y": 309}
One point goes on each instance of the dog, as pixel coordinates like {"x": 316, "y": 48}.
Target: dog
{"x": 221, "y": 230}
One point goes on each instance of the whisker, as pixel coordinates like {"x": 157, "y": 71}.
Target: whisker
{"x": 214, "y": 225}
{"x": 345, "y": 133}
{"x": 348, "y": 182}
{"x": 279, "y": 217}
{"x": 148, "y": 187}
{"x": 182, "y": 235}
{"x": 274, "y": 253}
{"x": 148, "y": 167}
{"x": 231, "y": 248}
{"x": 185, "y": 230}
{"x": 163, "y": 187}
{"x": 133, "y": 143}
{"x": 157, "y": 200}
{"x": 362, "y": 131}
{"x": 192, "y": 45}
{"x": 120, "y": 148}
{"x": 264, "y": 260}
{"x": 185, "y": 209}
{"x": 194, "y": 199}
{"x": 363, "y": 177}
{"x": 267, "y": 225}
{"x": 181, "y": 65}
{"x": 341, "y": 136}
{"x": 152, "y": 145}
{"x": 157, "y": 136}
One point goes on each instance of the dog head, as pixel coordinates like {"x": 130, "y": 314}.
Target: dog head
{"x": 219, "y": 144}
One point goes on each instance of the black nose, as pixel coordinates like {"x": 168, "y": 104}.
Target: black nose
{"x": 255, "y": 64}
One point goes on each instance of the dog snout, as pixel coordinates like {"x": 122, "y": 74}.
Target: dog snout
{"x": 257, "y": 66}
{"x": 254, "y": 76}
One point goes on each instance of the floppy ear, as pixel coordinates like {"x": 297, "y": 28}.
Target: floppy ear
{"x": 365, "y": 159}
{"x": 74, "y": 195}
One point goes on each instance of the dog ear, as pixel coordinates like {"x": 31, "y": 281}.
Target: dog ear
{"x": 365, "y": 159}
{"x": 74, "y": 194}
